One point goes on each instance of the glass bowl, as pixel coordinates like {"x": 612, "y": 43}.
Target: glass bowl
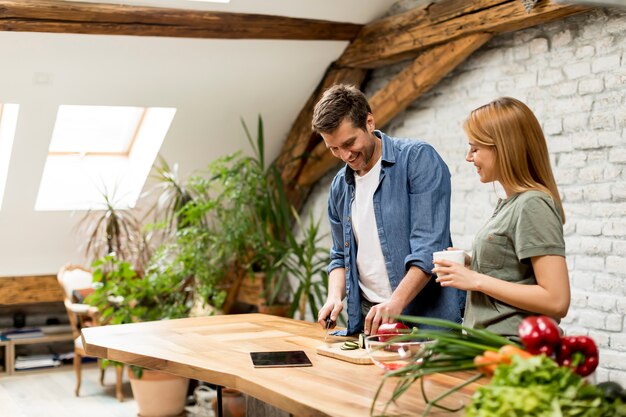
{"x": 391, "y": 355}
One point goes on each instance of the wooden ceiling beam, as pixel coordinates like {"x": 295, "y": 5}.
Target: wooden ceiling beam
{"x": 403, "y": 36}
{"x": 296, "y": 151}
{"x": 419, "y": 77}
{"x": 110, "y": 19}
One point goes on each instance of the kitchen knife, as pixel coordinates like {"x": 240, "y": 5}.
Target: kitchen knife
{"x": 329, "y": 327}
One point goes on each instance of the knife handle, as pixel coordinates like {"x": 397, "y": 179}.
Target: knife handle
{"x": 329, "y": 323}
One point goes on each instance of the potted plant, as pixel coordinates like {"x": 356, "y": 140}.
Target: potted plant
{"x": 247, "y": 218}
{"x": 306, "y": 264}
{"x": 231, "y": 233}
{"x": 252, "y": 222}
{"x": 112, "y": 229}
{"x": 122, "y": 296}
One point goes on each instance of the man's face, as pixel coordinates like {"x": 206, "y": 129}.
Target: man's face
{"x": 354, "y": 146}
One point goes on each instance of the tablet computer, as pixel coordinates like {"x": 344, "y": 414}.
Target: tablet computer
{"x": 280, "y": 359}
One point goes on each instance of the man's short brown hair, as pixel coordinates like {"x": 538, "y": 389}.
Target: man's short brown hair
{"x": 340, "y": 102}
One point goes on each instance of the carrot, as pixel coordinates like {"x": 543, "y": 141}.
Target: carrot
{"x": 490, "y": 360}
{"x": 510, "y": 350}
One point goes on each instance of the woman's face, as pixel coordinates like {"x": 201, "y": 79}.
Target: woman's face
{"x": 484, "y": 159}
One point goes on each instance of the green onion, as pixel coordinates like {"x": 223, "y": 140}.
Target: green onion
{"x": 454, "y": 350}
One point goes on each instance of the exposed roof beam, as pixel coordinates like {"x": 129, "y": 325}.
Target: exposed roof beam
{"x": 419, "y": 77}
{"x": 301, "y": 139}
{"x": 403, "y": 36}
{"x": 111, "y": 19}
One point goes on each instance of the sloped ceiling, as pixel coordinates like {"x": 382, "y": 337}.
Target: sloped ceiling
{"x": 211, "y": 82}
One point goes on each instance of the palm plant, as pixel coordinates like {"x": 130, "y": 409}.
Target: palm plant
{"x": 115, "y": 230}
{"x": 172, "y": 195}
{"x": 306, "y": 262}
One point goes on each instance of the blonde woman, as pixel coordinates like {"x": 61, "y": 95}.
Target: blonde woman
{"x": 518, "y": 265}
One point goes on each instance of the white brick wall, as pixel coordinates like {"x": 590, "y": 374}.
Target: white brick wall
{"x": 572, "y": 73}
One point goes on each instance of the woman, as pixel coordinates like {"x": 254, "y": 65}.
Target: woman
{"x": 518, "y": 265}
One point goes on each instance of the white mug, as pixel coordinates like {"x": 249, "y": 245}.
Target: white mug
{"x": 457, "y": 256}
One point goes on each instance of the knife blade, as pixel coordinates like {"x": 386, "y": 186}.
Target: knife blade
{"x": 329, "y": 327}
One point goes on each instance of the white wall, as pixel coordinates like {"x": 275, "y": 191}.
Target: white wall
{"x": 572, "y": 73}
{"x": 211, "y": 82}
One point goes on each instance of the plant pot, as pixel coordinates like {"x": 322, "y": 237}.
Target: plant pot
{"x": 159, "y": 394}
{"x": 281, "y": 310}
{"x": 233, "y": 403}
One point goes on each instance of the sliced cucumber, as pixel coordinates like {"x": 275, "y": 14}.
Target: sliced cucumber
{"x": 349, "y": 345}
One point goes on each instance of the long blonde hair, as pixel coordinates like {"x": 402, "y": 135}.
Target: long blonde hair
{"x": 522, "y": 161}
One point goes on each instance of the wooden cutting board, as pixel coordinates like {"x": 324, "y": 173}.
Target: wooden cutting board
{"x": 358, "y": 356}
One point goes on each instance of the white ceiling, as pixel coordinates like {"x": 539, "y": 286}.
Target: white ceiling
{"x": 212, "y": 83}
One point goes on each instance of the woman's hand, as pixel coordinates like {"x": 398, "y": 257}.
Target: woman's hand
{"x": 468, "y": 259}
{"x": 452, "y": 274}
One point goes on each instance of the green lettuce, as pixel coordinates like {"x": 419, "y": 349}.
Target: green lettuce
{"x": 538, "y": 387}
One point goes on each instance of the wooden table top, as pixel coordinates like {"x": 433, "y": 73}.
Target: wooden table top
{"x": 216, "y": 350}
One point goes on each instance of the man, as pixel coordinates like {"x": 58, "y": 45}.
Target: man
{"x": 389, "y": 210}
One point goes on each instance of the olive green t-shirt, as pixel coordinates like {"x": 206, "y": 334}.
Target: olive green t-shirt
{"x": 522, "y": 226}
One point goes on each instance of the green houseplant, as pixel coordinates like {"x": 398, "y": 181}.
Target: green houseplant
{"x": 253, "y": 228}
{"x": 247, "y": 217}
{"x": 306, "y": 263}
{"x": 123, "y": 296}
{"x": 112, "y": 229}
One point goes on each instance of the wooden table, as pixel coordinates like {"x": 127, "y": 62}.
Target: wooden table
{"x": 216, "y": 350}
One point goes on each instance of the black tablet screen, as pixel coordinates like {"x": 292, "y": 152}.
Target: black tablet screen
{"x": 280, "y": 359}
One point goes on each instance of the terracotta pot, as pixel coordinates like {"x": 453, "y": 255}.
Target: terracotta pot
{"x": 233, "y": 403}
{"x": 280, "y": 310}
{"x": 159, "y": 394}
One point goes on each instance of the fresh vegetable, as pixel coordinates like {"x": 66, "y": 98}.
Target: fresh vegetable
{"x": 612, "y": 391}
{"x": 490, "y": 360}
{"x": 391, "y": 329}
{"x": 523, "y": 384}
{"x": 579, "y": 353}
{"x": 538, "y": 387}
{"x": 349, "y": 345}
{"x": 454, "y": 349}
{"x": 539, "y": 334}
{"x": 509, "y": 351}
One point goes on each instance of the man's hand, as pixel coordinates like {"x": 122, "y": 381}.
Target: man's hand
{"x": 412, "y": 283}
{"x": 332, "y": 308}
{"x": 381, "y": 313}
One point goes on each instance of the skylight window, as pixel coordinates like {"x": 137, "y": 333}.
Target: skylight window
{"x": 8, "y": 121}
{"x": 98, "y": 150}
{"x": 95, "y": 130}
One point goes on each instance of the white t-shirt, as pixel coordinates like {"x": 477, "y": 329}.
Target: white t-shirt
{"x": 373, "y": 278}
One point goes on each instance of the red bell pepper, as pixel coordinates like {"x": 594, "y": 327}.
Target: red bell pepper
{"x": 539, "y": 334}
{"x": 579, "y": 353}
{"x": 391, "y": 329}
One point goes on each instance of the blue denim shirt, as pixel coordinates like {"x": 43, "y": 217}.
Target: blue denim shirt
{"x": 412, "y": 210}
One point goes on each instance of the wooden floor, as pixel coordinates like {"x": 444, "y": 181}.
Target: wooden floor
{"x": 51, "y": 394}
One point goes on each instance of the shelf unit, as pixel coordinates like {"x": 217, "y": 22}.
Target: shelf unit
{"x": 7, "y": 348}
{"x": 39, "y": 292}
{"x": 10, "y": 349}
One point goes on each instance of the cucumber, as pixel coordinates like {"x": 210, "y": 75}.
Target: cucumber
{"x": 349, "y": 345}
